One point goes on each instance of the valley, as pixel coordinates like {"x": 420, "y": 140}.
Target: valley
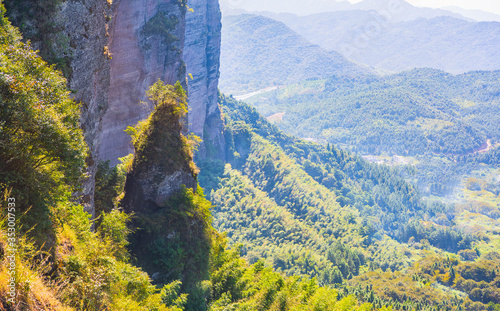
{"x": 192, "y": 155}
{"x": 432, "y": 129}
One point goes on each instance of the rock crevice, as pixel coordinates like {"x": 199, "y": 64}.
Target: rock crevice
{"x": 202, "y": 57}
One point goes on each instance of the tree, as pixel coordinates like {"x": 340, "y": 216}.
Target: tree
{"x": 42, "y": 149}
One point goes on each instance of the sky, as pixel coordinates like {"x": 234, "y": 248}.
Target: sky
{"x": 491, "y": 6}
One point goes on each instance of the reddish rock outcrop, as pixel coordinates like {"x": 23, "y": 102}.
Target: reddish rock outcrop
{"x": 139, "y": 58}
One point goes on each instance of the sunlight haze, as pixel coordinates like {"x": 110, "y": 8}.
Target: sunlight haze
{"x": 304, "y": 7}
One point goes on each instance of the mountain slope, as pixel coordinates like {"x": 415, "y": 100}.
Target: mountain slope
{"x": 258, "y": 52}
{"x": 315, "y": 211}
{"x": 477, "y": 15}
{"x": 379, "y": 40}
{"x": 414, "y": 112}
{"x": 425, "y": 118}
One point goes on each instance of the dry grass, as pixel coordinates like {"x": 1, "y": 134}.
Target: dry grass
{"x": 33, "y": 293}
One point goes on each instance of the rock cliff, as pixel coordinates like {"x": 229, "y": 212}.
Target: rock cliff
{"x": 147, "y": 38}
{"x": 153, "y": 40}
{"x": 86, "y": 24}
{"x": 202, "y": 57}
{"x": 112, "y": 51}
{"x": 162, "y": 162}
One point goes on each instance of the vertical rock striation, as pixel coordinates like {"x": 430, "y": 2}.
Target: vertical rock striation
{"x": 202, "y": 57}
{"x": 112, "y": 51}
{"x": 147, "y": 38}
{"x": 142, "y": 54}
{"x": 86, "y": 25}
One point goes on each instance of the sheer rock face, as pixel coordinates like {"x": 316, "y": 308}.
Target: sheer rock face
{"x": 202, "y": 57}
{"x": 147, "y": 191}
{"x": 140, "y": 58}
{"x": 86, "y": 25}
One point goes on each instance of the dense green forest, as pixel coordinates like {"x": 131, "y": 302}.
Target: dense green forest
{"x": 318, "y": 211}
{"x": 444, "y": 125}
{"x": 411, "y": 113}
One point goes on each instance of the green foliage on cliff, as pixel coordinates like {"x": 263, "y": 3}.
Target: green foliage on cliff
{"x": 35, "y": 19}
{"x": 171, "y": 241}
{"x": 175, "y": 242}
{"x": 41, "y": 144}
{"x": 161, "y": 25}
{"x": 109, "y": 183}
{"x": 158, "y": 140}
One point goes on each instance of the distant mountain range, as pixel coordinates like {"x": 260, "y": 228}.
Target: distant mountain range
{"x": 446, "y": 43}
{"x": 477, "y": 15}
{"x": 399, "y": 10}
{"x": 258, "y": 52}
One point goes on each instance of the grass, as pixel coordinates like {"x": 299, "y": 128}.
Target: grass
{"x": 464, "y": 103}
{"x": 430, "y": 124}
{"x": 276, "y": 118}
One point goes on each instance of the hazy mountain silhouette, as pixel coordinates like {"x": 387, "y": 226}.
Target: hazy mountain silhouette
{"x": 258, "y": 52}
{"x": 446, "y": 43}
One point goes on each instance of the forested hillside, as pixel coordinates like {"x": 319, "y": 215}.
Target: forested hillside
{"x": 414, "y": 112}
{"x": 319, "y": 211}
{"x": 445, "y": 125}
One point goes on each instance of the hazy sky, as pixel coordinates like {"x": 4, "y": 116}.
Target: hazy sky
{"x": 492, "y": 6}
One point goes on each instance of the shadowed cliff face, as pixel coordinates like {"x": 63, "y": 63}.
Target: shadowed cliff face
{"x": 142, "y": 53}
{"x": 202, "y": 57}
{"x": 90, "y": 78}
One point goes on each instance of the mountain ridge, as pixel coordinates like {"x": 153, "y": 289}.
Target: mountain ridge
{"x": 258, "y": 52}
{"x": 397, "y": 9}
{"x": 374, "y": 40}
